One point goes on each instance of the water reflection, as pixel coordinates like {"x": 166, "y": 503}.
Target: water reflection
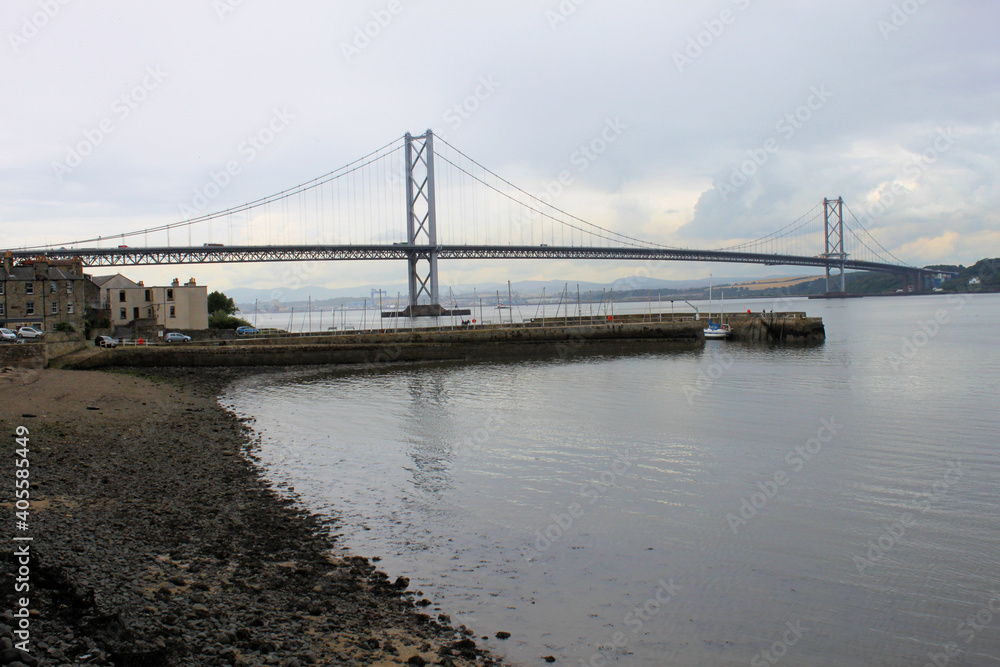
{"x": 464, "y": 476}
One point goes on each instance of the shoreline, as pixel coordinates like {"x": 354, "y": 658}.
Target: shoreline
{"x": 157, "y": 540}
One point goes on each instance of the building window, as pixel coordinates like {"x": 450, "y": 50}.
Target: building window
{"x": 29, "y": 287}
{"x": 3, "y": 286}
{"x": 135, "y": 313}
{"x": 173, "y": 312}
{"x": 121, "y": 295}
{"x": 122, "y": 314}
{"x": 149, "y": 295}
{"x": 55, "y": 307}
{"x": 29, "y": 308}
{"x": 52, "y": 287}
{"x": 3, "y": 309}
{"x": 69, "y": 308}
{"x": 69, "y": 287}
{"x": 170, "y": 295}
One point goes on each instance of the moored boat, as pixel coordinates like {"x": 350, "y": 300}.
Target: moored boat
{"x": 714, "y": 330}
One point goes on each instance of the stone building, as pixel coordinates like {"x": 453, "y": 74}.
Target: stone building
{"x": 42, "y": 294}
{"x": 133, "y": 304}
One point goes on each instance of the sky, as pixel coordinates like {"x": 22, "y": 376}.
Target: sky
{"x": 724, "y": 120}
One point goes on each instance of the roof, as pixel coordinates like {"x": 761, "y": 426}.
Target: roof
{"x": 27, "y": 273}
{"x": 117, "y": 281}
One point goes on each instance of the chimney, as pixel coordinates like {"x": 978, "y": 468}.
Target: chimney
{"x": 142, "y": 284}
{"x": 176, "y": 283}
{"x": 8, "y": 261}
{"x": 41, "y": 269}
{"x": 190, "y": 283}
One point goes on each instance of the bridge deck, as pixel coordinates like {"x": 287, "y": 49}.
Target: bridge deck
{"x": 293, "y": 253}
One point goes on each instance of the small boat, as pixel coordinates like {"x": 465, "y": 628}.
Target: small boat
{"x": 714, "y": 330}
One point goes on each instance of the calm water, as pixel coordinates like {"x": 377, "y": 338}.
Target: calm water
{"x": 828, "y": 505}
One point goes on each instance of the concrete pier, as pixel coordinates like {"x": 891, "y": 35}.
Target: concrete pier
{"x": 620, "y": 335}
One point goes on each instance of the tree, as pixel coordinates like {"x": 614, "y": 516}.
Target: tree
{"x": 217, "y": 301}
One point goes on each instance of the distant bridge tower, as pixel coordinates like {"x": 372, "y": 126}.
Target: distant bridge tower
{"x": 833, "y": 229}
{"x": 421, "y": 229}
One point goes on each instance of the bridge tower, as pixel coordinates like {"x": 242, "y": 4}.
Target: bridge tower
{"x": 833, "y": 230}
{"x": 421, "y": 227}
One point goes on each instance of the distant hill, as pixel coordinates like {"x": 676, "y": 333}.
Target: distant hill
{"x": 983, "y": 276}
{"x": 522, "y": 289}
{"x": 857, "y": 282}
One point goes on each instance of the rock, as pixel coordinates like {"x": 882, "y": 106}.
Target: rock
{"x": 503, "y": 635}
{"x": 7, "y": 656}
{"x": 549, "y": 658}
{"x": 416, "y": 660}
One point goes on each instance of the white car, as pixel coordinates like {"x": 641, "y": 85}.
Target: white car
{"x": 7, "y": 335}
{"x": 30, "y": 332}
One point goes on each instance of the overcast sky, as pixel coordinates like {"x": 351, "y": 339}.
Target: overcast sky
{"x": 892, "y": 105}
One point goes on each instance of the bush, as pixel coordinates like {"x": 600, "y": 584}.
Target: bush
{"x": 220, "y": 319}
{"x": 64, "y": 326}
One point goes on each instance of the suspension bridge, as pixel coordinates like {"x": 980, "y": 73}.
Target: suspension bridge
{"x": 454, "y": 209}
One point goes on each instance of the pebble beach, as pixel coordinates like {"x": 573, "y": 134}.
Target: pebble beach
{"x": 155, "y": 540}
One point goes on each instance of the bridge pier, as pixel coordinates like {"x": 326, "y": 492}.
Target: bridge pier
{"x": 915, "y": 281}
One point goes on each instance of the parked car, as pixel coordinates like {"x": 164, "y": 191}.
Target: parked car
{"x": 177, "y": 338}
{"x": 105, "y": 341}
{"x": 30, "y": 332}
{"x": 7, "y": 335}
{"x": 246, "y": 331}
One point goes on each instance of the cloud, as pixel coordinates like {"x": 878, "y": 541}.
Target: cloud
{"x": 688, "y": 131}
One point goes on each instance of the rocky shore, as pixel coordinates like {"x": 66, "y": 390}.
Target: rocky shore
{"x": 155, "y": 540}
